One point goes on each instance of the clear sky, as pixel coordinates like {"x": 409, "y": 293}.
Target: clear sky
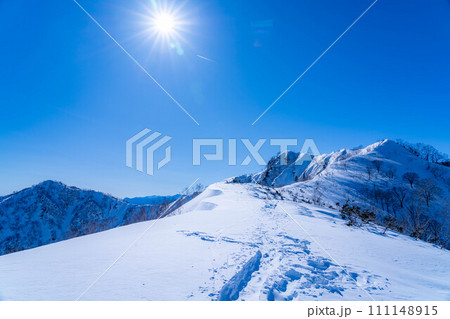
{"x": 70, "y": 98}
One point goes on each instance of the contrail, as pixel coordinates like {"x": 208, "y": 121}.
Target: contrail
{"x": 136, "y": 62}
{"x": 202, "y": 57}
{"x": 315, "y": 61}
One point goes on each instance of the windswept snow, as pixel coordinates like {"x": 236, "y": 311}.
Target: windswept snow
{"x": 234, "y": 241}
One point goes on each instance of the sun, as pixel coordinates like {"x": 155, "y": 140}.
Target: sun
{"x": 164, "y": 23}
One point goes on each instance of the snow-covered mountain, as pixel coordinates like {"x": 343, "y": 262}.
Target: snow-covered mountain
{"x": 232, "y": 242}
{"x": 375, "y": 178}
{"x": 51, "y": 211}
{"x": 281, "y": 170}
{"x": 243, "y": 239}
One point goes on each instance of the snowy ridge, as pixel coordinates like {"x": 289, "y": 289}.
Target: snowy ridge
{"x": 374, "y": 178}
{"x": 242, "y": 240}
{"x": 249, "y": 246}
{"x": 344, "y": 175}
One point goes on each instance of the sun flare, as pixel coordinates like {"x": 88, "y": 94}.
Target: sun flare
{"x": 164, "y": 23}
{"x": 165, "y": 26}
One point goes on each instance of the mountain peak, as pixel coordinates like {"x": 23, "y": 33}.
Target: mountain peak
{"x": 51, "y": 184}
{"x": 52, "y": 211}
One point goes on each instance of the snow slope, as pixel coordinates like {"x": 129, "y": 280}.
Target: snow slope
{"x": 234, "y": 241}
{"x": 352, "y": 176}
{"x": 343, "y": 175}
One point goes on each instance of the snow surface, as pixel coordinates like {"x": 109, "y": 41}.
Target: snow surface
{"x": 344, "y": 171}
{"x": 233, "y": 238}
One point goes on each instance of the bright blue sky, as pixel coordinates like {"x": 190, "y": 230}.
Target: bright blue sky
{"x": 70, "y": 98}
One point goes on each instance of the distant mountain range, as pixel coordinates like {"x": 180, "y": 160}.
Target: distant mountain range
{"x": 152, "y": 200}
{"x": 51, "y": 211}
